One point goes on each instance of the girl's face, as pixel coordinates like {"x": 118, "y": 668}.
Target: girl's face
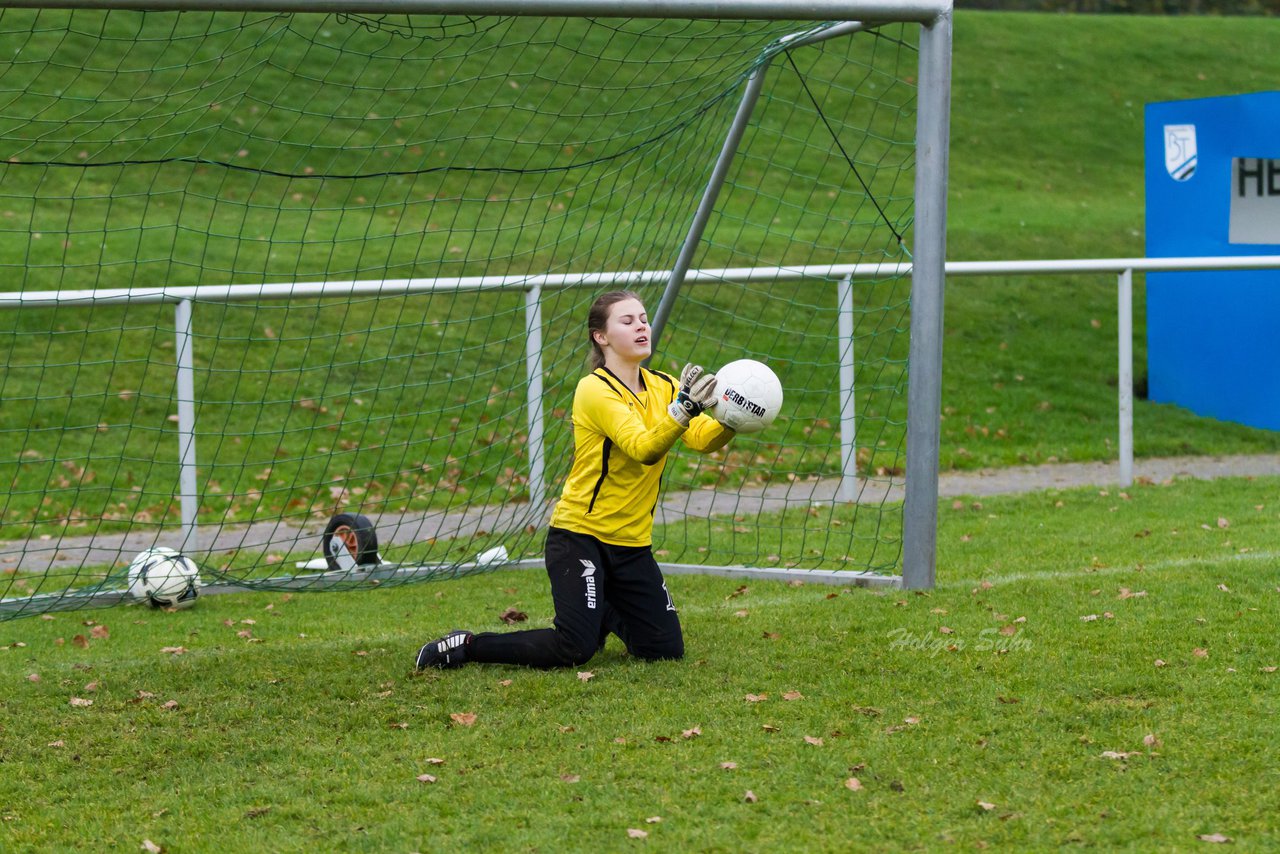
{"x": 626, "y": 334}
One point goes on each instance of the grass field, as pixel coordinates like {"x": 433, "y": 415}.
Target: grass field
{"x": 1095, "y": 669}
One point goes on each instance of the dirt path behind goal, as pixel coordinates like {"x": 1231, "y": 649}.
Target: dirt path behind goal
{"x": 34, "y": 556}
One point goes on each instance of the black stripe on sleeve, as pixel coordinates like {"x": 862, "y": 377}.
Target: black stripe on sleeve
{"x": 604, "y": 472}
{"x": 604, "y": 378}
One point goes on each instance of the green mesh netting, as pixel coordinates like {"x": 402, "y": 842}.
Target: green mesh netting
{"x": 141, "y": 151}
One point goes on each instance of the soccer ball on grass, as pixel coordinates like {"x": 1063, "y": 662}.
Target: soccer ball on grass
{"x": 748, "y": 396}
{"x": 164, "y": 578}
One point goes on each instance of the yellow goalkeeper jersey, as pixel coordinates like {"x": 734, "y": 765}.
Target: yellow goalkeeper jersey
{"x": 620, "y": 444}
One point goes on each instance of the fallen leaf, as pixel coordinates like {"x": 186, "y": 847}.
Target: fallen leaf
{"x": 80, "y": 641}
{"x": 768, "y": 728}
{"x": 771, "y": 635}
{"x": 397, "y": 725}
{"x": 511, "y": 615}
{"x": 1117, "y": 754}
{"x": 174, "y": 650}
{"x": 434, "y": 761}
{"x": 463, "y": 718}
{"x": 985, "y": 806}
{"x": 58, "y": 743}
{"x": 741, "y": 613}
{"x": 814, "y": 740}
{"x": 1199, "y": 652}
{"x": 1159, "y": 662}
{"x": 729, "y": 766}
{"x": 756, "y": 698}
{"x": 1088, "y": 618}
{"x": 637, "y": 833}
{"x": 1224, "y": 588}
{"x": 80, "y": 702}
{"x": 946, "y": 630}
{"x": 505, "y": 683}
{"x": 34, "y": 677}
{"x": 569, "y": 778}
{"x": 1150, "y": 740}
{"x": 1214, "y": 837}
{"x": 426, "y": 778}
{"x": 1267, "y": 669}
{"x": 150, "y": 847}
{"x": 653, "y": 819}
{"x": 100, "y": 632}
{"x": 793, "y": 695}
{"x": 586, "y": 675}
{"x": 1223, "y": 523}
{"x": 170, "y": 705}
{"x": 750, "y": 797}
{"x": 853, "y": 784}
{"x": 691, "y": 733}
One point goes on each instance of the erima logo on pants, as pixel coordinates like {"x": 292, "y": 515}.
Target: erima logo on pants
{"x": 589, "y": 573}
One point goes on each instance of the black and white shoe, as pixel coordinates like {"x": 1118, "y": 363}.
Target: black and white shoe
{"x": 447, "y": 652}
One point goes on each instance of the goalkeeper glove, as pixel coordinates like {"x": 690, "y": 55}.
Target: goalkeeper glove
{"x": 697, "y": 392}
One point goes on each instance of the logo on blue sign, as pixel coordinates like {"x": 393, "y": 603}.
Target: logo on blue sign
{"x": 1180, "y": 151}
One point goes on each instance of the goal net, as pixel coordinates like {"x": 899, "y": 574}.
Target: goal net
{"x": 261, "y": 269}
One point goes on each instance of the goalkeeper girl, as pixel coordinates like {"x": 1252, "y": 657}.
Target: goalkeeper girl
{"x": 599, "y": 556}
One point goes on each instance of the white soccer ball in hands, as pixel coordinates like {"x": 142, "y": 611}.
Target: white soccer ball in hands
{"x": 748, "y": 396}
{"x": 164, "y": 578}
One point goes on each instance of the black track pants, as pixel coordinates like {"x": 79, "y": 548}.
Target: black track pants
{"x": 597, "y": 589}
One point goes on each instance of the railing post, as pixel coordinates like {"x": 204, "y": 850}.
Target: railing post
{"x": 533, "y": 407}
{"x": 848, "y": 410}
{"x": 1125, "y": 332}
{"x": 189, "y": 497}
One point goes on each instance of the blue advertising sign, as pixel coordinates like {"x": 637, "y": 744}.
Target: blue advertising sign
{"x": 1213, "y": 188}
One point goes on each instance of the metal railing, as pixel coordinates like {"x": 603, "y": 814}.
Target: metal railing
{"x": 1123, "y": 269}
{"x": 841, "y": 275}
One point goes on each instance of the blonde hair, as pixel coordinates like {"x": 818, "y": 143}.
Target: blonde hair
{"x": 598, "y": 320}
